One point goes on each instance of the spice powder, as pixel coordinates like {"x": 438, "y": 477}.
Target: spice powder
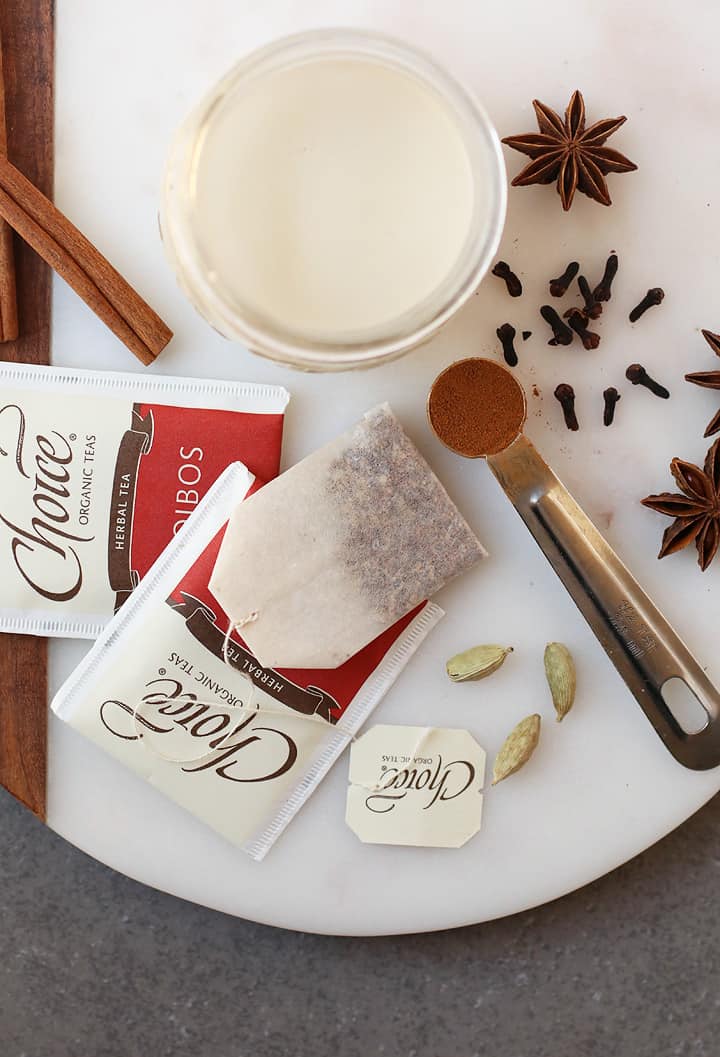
{"x": 476, "y": 407}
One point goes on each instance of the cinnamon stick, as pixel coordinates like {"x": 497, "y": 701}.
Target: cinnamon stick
{"x": 8, "y": 296}
{"x": 26, "y": 27}
{"x": 80, "y": 264}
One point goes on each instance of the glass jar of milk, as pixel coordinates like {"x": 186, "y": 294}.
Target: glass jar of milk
{"x": 334, "y": 200}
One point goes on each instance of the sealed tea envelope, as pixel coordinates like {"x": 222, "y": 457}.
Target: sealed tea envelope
{"x": 323, "y": 559}
{"x": 415, "y": 785}
{"x": 98, "y": 471}
{"x": 170, "y": 694}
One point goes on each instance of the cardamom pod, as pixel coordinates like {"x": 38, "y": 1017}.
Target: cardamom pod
{"x": 560, "y": 673}
{"x": 517, "y": 748}
{"x": 477, "y": 662}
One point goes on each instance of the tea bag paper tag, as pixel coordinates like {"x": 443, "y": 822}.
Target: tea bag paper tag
{"x": 415, "y": 785}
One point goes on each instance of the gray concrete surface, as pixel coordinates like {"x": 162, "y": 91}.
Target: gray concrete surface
{"x": 95, "y": 965}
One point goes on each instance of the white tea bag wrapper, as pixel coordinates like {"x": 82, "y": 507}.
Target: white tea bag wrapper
{"x": 419, "y": 786}
{"x": 324, "y": 558}
{"x": 170, "y": 694}
{"x": 99, "y": 471}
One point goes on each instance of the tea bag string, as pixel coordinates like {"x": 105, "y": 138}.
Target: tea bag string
{"x": 207, "y": 756}
{"x": 236, "y": 625}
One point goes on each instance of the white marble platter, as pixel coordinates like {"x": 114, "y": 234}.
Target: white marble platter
{"x": 601, "y": 787}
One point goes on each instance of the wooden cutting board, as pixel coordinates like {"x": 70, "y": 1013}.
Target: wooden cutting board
{"x": 27, "y": 30}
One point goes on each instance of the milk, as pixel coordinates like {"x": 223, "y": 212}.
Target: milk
{"x": 333, "y": 197}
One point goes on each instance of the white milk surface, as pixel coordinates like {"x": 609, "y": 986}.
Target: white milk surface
{"x": 334, "y": 196}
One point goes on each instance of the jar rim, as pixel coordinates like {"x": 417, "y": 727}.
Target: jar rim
{"x": 373, "y": 345}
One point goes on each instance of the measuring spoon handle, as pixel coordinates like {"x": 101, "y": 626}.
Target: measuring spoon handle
{"x": 637, "y": 638}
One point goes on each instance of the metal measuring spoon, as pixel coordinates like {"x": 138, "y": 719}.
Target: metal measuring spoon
{"x": 647, "y": 652}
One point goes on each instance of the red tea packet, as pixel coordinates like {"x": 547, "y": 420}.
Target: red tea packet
{"x": 98, "y": 472}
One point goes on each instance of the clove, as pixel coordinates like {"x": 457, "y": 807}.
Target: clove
{"x": 603, "y": 291}
{"x": 565, "y": 395}
{"x": 562, "y": 334}
{"x": 506, "y": 333}
{"x": 653, "y": 297}
{"x": 503, "y": 271}
{"x": 593, "y": 308}
{"x": 611, "y": 397}
{"x": 578, "y": 321}
{"x": 637, "y": 374}
{"x": 558, "y": 287}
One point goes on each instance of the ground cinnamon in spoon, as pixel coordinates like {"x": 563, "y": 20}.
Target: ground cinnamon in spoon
{"x": 476, "y": 407}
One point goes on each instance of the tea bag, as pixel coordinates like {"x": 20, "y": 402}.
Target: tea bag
{"x": 323, "y": 559}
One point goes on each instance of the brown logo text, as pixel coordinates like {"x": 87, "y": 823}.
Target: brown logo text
{"x": 44, "y": 548}
{"x": 174, "y": 710}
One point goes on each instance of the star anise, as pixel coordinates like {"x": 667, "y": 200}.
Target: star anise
{"x": 709, "y": 379}
{"x": 696, "y": 511}
{"x": 568, "y": 152}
